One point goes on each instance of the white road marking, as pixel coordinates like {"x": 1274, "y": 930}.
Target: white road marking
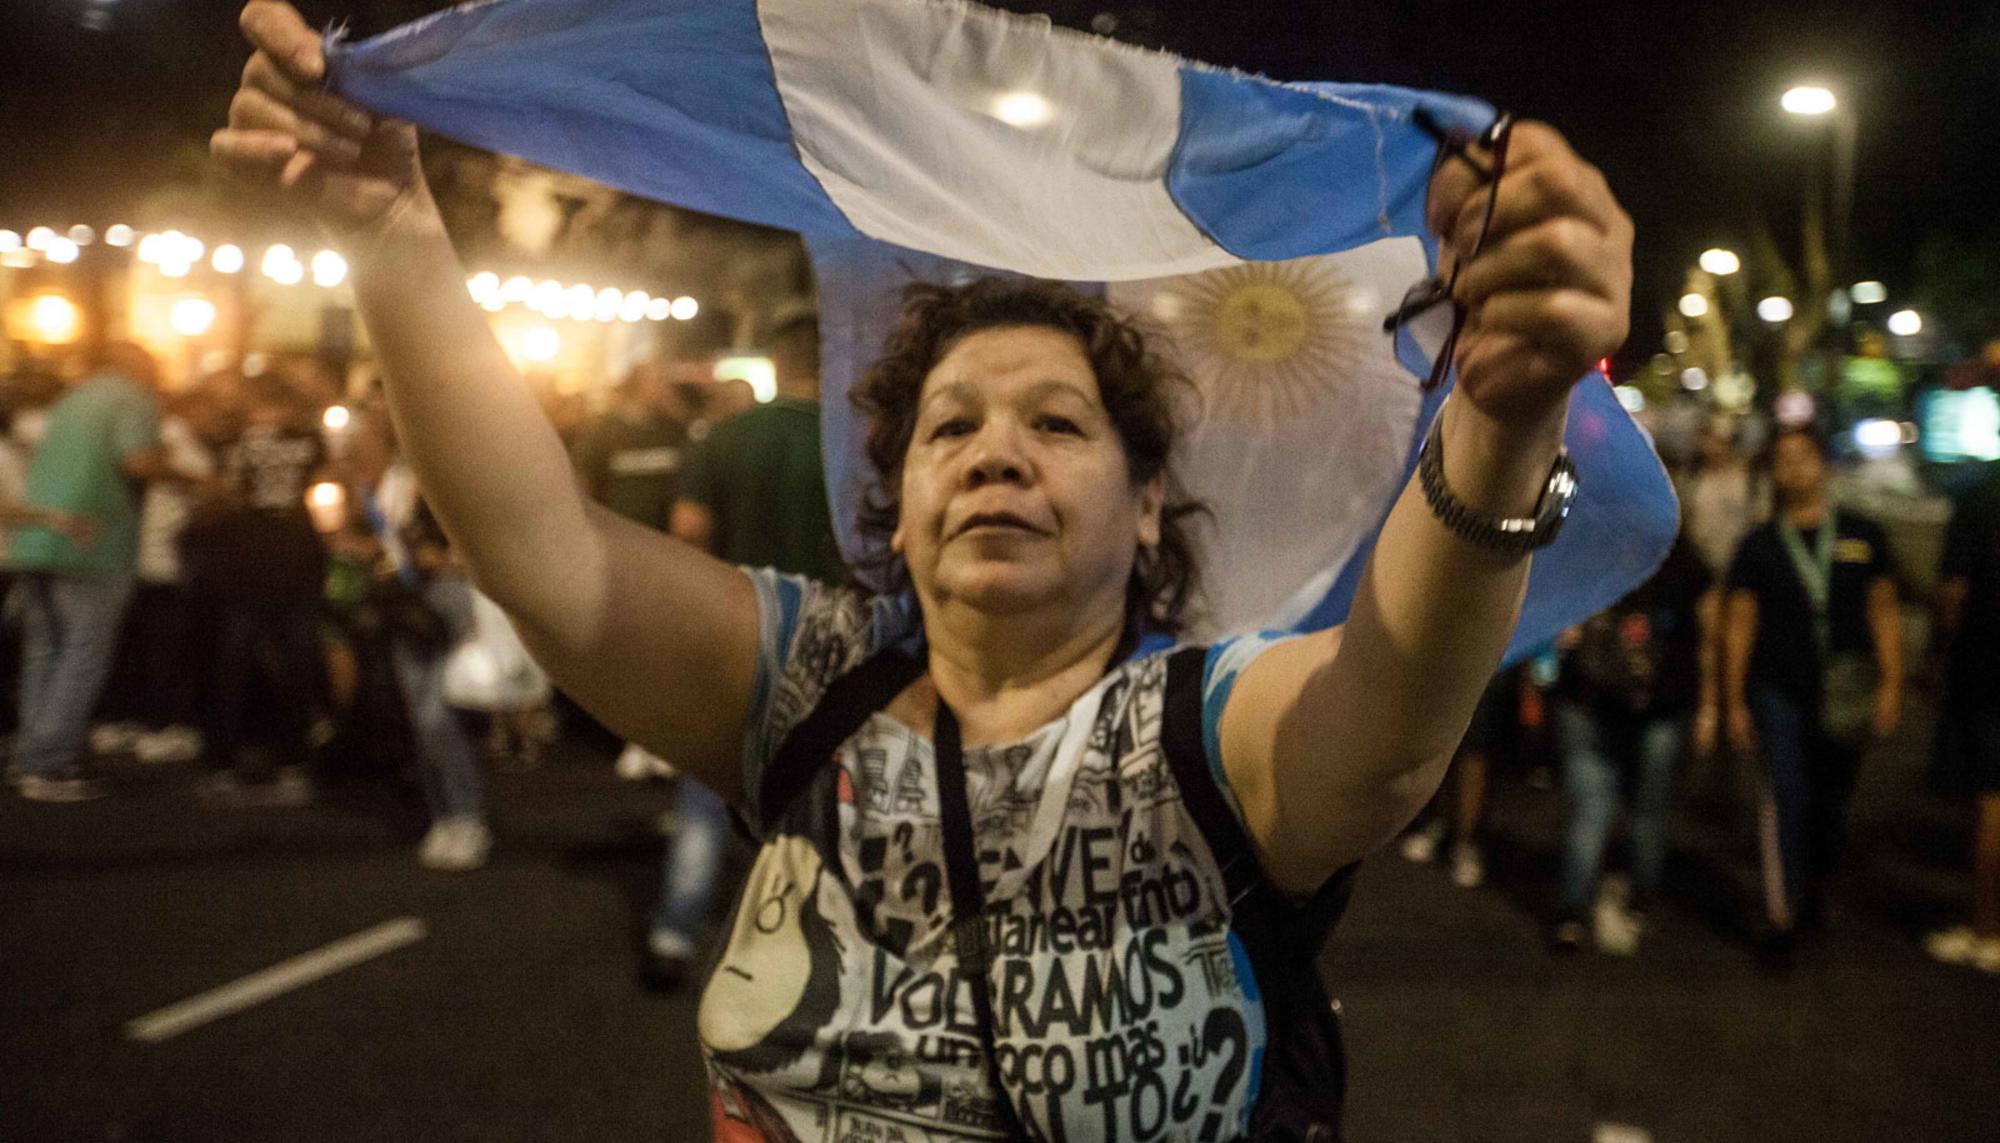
{"x": 276, "y": 980}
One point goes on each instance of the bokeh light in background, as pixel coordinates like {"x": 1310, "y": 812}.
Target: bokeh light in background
{"x": 193, "y": 317}
{"x": 1720, "y": 262}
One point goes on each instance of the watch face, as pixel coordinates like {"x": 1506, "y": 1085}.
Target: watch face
{"x": 1557, "y": 501}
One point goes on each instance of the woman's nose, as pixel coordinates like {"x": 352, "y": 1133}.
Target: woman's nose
{"x": 998, "y": 459}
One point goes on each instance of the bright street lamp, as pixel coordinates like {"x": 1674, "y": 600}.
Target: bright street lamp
{"x": 1775, "y": 310}
{"x": 1813, "y": 101}
{"x": 1720, "y": 262}
{"x": 1868, "y": 293}
{"x": 1694, "y": 306}
{"x": 1808, "y": 99}
{"x": 1905, "y": 323}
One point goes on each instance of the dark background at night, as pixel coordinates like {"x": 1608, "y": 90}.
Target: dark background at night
{"x": 1678, "y": 104}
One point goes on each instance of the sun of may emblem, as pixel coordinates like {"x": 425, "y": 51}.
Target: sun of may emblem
{"x": 1265, "y": 340}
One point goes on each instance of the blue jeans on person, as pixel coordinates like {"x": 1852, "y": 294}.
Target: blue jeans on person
{"x": 446, "y": 761}
{"x": 1804, "y": 823}
{"x": 1613, "y": 760}
{"x": 694, "y": 860}
{"x": 70, "y": 627}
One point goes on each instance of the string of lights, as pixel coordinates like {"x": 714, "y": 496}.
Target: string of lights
{"x": 178, "y": 255}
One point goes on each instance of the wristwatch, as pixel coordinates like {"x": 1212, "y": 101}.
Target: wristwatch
{"x": 1510, "y": 535}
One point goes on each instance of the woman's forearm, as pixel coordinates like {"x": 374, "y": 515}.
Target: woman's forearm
{"x": 1885, "y": 623}
{"x": 1435, "y": 612}
{"x": 489, "y": 462}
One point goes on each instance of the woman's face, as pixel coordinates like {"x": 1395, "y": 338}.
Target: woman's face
{"x": 1015, "y": 494}
{"x": 1797, "y": 469}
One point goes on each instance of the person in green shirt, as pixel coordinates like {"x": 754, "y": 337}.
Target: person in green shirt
{"x": 754, "y": 494}
{"x": 77, "y": 563}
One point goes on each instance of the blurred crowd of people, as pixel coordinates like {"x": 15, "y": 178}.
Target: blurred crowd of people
{"x": 1764, "y": 660}
{"x": 242, "y": 573}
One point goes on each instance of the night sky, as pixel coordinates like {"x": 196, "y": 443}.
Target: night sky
{"x": 1678, "y": 104}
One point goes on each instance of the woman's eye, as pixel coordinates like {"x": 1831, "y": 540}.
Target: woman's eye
{"x": 955, "y": 427}
{"x": 1055, "y": 424}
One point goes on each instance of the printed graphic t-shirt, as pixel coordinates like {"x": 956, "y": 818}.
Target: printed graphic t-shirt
{"x": 1123, "y": 1005}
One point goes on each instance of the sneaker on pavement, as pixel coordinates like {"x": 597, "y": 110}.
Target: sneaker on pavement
{"x": 39, "y": 789}
{"x": 1961, "y": 945}
{"x": 636, "y": 764}
{"x": 437, "y": 839}
{"x": 114, "y": 737}
{"x": 174, "y": 744}
{"x": 462, "y": 844}
{"x": 1614, "y": 929}
{"x": 291, "y": 789}
{"x": 1468, "y": 867}
{"x": 1420, "y": 845}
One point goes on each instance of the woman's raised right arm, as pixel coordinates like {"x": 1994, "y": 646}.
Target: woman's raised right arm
{"x": 656, "y": 639}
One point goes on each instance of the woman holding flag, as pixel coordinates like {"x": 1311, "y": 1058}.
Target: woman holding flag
{"x": 1015, "y": 879}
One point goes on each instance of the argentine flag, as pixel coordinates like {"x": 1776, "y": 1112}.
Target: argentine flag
{"x": 1267, "y": 228}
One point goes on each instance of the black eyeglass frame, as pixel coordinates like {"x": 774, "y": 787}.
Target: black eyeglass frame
{"x": 1434, "y": 290}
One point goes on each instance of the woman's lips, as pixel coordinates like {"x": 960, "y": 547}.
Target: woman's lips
{"x": 996, "y": 522}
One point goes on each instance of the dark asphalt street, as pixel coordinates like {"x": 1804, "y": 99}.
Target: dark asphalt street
{"x": 516, "y": 1016}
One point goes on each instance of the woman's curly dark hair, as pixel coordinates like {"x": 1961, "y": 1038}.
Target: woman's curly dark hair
{"x": 1141, "y": 391}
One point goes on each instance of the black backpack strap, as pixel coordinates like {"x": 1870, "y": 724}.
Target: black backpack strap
{"x": 1304, "y": 1082}
{"x": 1186, "y": 750}
{"x": 1181, "y": 740}
{"x": 847, "y": 704}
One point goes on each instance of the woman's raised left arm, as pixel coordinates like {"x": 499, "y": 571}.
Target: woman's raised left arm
{"x": 1334, "y": 741}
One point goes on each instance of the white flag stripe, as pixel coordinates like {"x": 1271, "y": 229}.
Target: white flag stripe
{"x": 1290, "y": 356}
{"x": 908, "y": 114}
{"x": 276, "y": 980}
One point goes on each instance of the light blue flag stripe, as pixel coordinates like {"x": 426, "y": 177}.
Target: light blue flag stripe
{"x": 672, "y": 100}
{"x": 1273, "y": 171}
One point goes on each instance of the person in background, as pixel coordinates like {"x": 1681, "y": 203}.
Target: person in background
{"x": 28, "y": 394}
{"x": 1966, "y": 637}
{"x": 1460, "y": 805}
{"x": 425, "y": 605}
{"x": 754, "y": 496}
{"x": 630, "y": 458}
{"x": 25, "y": 399}
{"x": 1813, "y": 671}
{"x": 268, "y": 574}
{"x": 76, "y": 548}
{"x": 167, "y": 652}
{"x": 1633, "y": 677}
{"x": 1721, "y": 497}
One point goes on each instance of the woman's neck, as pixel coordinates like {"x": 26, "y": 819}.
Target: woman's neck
{"x": 1006, "y": 675}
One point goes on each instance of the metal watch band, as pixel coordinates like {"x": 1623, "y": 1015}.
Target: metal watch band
{"x": 1510, "y": 535}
